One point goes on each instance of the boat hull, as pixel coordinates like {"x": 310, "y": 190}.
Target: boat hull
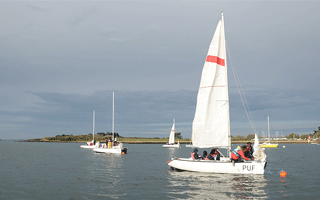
{"x": 269, "y": 145}
{"x": 87, "y": 147}
{"x": 171, "y": 146}
{"x": 111, "y": 150}
{"x": 212, "y": 166}
{"x": 90, "y": 145}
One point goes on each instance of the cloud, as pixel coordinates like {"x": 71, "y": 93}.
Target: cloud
{"x": 61, "y": 60}
{"x": 150, "y": 113}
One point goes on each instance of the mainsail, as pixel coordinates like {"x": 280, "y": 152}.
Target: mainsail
{"x": 171, "y": 137}
{"x": 211, "y": 124}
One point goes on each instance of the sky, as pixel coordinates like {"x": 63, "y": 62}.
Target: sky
{"x": 61, "y": 60}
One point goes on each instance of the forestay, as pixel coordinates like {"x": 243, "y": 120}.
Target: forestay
{"x": 211, "y": 124}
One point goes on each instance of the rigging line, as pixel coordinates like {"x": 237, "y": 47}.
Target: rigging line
{"x": 241, "y": 93}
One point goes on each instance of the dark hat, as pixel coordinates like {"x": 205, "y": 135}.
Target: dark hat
{"x": 195, "y": 150}
{"x": 244, "y": 146}
{"x": 212, "y": 151}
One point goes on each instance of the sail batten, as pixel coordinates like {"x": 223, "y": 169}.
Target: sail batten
{"x": 211, "y": 124}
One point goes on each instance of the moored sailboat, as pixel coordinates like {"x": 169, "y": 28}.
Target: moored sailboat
{"x": 211, "y": 124}
{"x": 171, "y": 143}
{"x": 116, "y": 147}
{"x": 92, "y": 144}
{"x": 268, "y": 143}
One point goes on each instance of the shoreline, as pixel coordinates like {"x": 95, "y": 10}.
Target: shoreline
{"x": 181, "y": 142}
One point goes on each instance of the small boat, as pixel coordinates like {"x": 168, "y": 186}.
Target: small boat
{"x": 211, "y": 124}
{"x": 189, "y": 145}
{"x": 268, "y": 143}
{"x": 171, "y": 143}
{"x": 92, "y": 144}
{"x": 116, "y": 147}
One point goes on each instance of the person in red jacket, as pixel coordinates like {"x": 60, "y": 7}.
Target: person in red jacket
{"x": 194, "y": 154}
{"x": 238, "y": 154}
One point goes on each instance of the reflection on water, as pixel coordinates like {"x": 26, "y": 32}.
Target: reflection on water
{"x": 172, "y": 152}
{"x": 216, "y": 186}
{"x": 283, "y": 186}
{"x": 106, "y": 174}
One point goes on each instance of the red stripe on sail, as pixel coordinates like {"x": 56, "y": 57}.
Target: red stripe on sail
{"x": 215, "y": 59}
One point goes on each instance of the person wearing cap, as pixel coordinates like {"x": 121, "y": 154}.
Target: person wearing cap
{"x": 194, "y": 154}
{"x": 238, "y": 154}
{"x": 249, "y": 151}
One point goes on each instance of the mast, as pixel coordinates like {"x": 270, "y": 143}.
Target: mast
{"x": 113, "y": 116}
{"x": 268, "y": 129}
{"x": 229, "y": 131}
{"x": 94, "y": 113}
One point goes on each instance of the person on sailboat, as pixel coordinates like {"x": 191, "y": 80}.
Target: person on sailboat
{"x": 238, "y": 154}
{"x": 204, "y": 155}
{"x": 214, "y": 155}
{"x": 249, "y": 151}
{"x": 194, "y": 154}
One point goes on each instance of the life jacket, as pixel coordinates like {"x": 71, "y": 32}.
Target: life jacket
{"x": 235, "y": 151}
{"x": 206, "y": 158}
{"x": 193, "y": 156}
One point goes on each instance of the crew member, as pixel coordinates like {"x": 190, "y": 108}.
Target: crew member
{"x": 204, "y": 155}
{"x": 214, "y": 155}
{"x": 238, "y": 154}
{"x": 249, "y": 151}
{"x": 194, "y": 154}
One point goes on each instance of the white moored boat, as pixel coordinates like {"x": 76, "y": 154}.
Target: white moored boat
{"x": 171, "y": 143}
{"x": 115, "y": 147}
{"x": 92, "y": 144}
{"x": 211, "y": 124}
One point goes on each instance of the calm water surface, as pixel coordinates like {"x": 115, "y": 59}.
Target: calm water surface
{"x": 65, "y": 171}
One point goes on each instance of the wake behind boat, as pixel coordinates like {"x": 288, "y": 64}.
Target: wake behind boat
{"x": 211, "y": 124}
{"x": 171, "y": 143}
{"x": 113, "y": 146}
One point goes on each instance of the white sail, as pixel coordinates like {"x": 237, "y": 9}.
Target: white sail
{"x": 211, "y": 124}
{"x": 258, "y": 153}
{"x": 171, "y": 137}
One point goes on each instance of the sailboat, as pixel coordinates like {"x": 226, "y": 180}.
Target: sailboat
{"x": 211, "y": 124}
{"x": 92, "y": 144}
{"x": 116, "y": 147}
{"x": 171, "y": 143}
{"x": 268, "y": 143}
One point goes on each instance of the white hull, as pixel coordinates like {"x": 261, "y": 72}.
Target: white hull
{"x": 107, "y": 150}
{"x": 87, "y": 147}
{"x": 115, "y": 149}
{"x": 187, "y": 164}
{"x": 171, "y": 146}
{"x": 90, "y": 145}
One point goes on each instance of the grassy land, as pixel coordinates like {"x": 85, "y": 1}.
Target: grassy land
{"x": 139, "y": 140}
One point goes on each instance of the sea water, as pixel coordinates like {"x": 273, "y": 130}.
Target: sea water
{"x": 65, "y": 171}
